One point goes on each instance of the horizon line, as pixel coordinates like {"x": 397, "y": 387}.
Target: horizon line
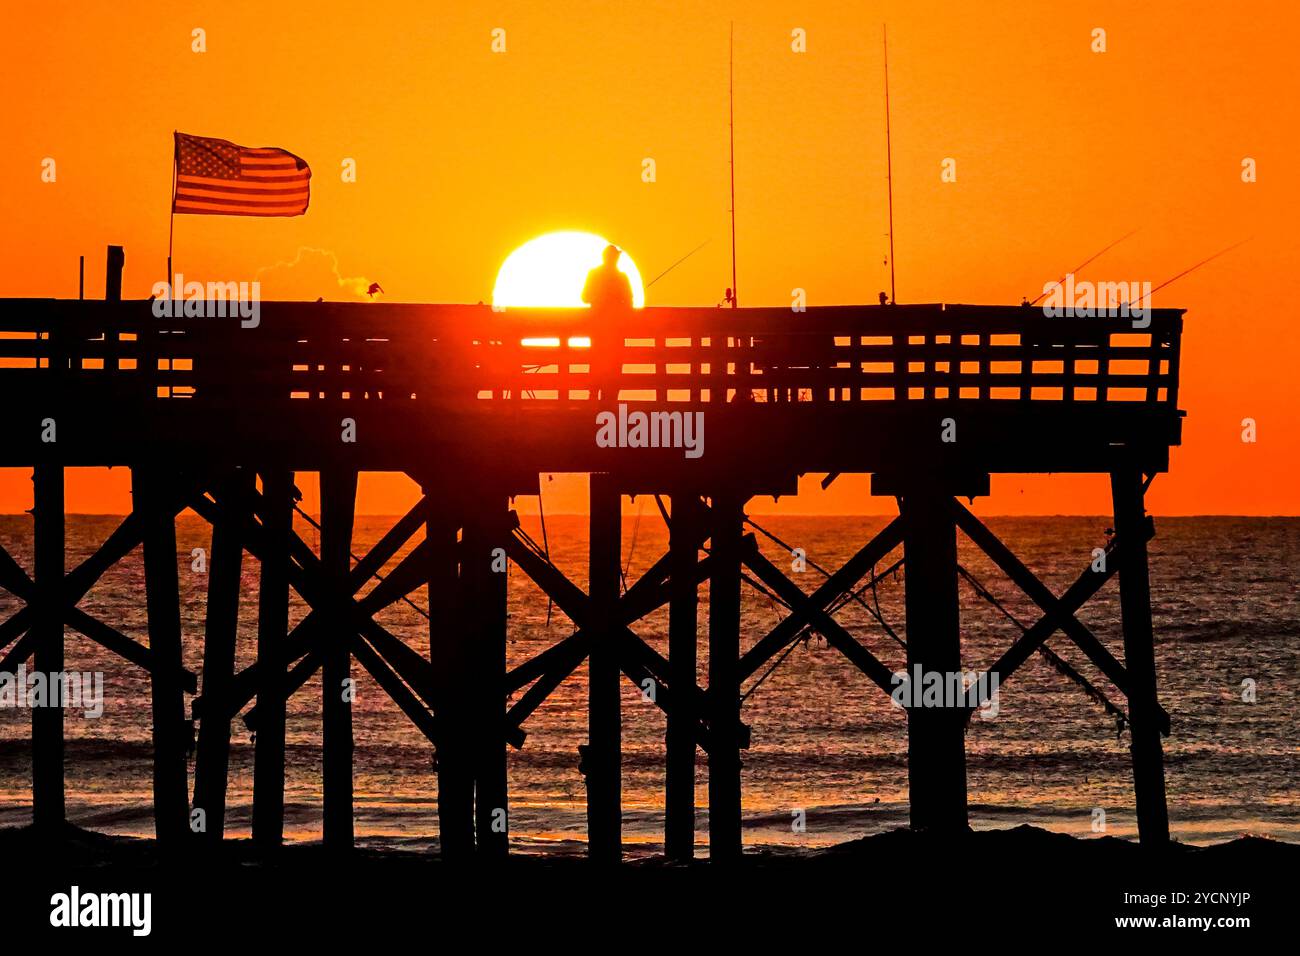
{"x": 759, "y": 514}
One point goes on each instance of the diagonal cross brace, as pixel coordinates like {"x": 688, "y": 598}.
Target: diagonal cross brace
{"x": 306, "y": 577}
{"x": 424, "y": 720}
{"x": 552, "y": 666}
{"x": 817, "y": 616}
{"x": 1057, "y": 612}
{"x": 303, "y": 638}
{"x": 76, "y": 584}
{"x": 1075, "y": 596}
{"x": 638, "y": 601}
{"x": 806, "y": 606}
{"x": 637, "y": 659}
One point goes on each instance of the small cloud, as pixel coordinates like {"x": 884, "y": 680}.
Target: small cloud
{"x": 311, "y": 274}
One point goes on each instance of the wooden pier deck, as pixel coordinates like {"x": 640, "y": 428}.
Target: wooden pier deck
{"x": 475, "y": 405}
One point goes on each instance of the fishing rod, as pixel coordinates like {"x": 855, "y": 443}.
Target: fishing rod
{"x": 678, "y": 262}
{"x": 1197, "y": 266}
{"x": 1075, "y": 270}
{"x": 889, "y": 168}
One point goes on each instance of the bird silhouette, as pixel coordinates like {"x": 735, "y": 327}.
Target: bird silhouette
{"x": 374, "y": 287}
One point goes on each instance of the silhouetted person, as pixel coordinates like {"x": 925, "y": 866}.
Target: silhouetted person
{"x": 607, "y": 289}
{"x": 609, "y": 293}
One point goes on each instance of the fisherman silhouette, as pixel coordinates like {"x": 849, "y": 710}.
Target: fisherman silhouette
{"x": 609, "y": 293}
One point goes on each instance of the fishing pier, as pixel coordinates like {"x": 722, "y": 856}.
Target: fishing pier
{"x": 475, "y": 405}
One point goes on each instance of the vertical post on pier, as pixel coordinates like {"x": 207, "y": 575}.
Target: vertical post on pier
{"x": 48, "y": 812}
{"x": 114, "y": 261}
{"x": 603, "y": 758}
{"x": 484, "y": 574}
{"x": 171, "y": 729}
{"x": 724, "y": 679}
{"x": 449, "y": 652}
{"x": 936, "y": 736}
{"x": 272, "y": 629}
{"x": 1127, "y": 493}
{"x": 338, "y": 494}
{"x": 225, "y": 566}
{"x": 683, "y": 623}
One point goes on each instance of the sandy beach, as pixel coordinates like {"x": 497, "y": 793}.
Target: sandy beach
{"x": 1050, "y": 882}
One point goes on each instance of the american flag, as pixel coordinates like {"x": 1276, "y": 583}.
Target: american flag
{"x": 215, "y": 177}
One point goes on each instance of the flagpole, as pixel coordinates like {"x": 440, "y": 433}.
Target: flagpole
{"x": 171, "y": 220}
{"x": 889, "y": 168}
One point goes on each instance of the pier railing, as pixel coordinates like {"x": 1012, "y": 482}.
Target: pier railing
{"x": 458, "y": 354}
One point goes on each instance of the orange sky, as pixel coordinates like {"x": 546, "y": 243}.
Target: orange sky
{"x": 462, "y": 154}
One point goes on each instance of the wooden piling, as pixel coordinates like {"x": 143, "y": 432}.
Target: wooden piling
{"x": 724, "y": 679}
{"x": 115, "y": 260}
{"x": 48, "y": 812}
{"x": 936, "y": 742}
{"x": 683, "y": 624}
{"x": 272, "y": 628}
{"x": 450, "y": 654}
{"x": 171, "y": 728}
{"x": 484, "y": 588}
{"x": 338, "y": 493}
{"x": 603, "y": 761}
{"x": 1127, "y": 493}
{"x": 221, "y": 628}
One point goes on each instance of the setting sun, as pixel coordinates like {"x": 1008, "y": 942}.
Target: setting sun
{"x": 549, "y": 271}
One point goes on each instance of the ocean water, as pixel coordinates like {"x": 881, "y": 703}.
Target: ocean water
{"x": 828, "y": 746}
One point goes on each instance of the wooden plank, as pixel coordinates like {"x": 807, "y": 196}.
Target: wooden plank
{"x": 392, "y": 685}
{"x": 383, "y": 550}
{"x": 128, "y": 649}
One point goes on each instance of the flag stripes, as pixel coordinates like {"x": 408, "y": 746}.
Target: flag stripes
{"x": 215, "y": 177}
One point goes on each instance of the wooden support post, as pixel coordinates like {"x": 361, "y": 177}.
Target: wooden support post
{"x": 171, "y": 728}
{"x": 603, "y": 758}
{"x": 338, "y": 495}
{"x": 224, "y": 568}
{"x": 114, "y": 261}
{"x": 724, "y": 679}
{"x": 1139, "y": 656}
{"x": 484, "y": 576}
{"x": 449, "y": 652}
{"x": 48, "y": 812}
{"x": 936, "y": 735}
{"x": 683, "y": 623}
{"x": 272, "y": 628}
